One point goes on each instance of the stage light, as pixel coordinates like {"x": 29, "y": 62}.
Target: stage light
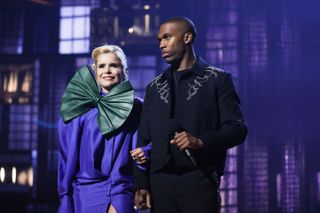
{"x": 2, "y": 174}
{"x": 16, "y": 83}
{"x": 14, "y": 174}
{"x": 30, "y": 176}
{"x": 22, "y": 177}
{"x": 146, "y": 7}
{"x": 147, "y": 24}
{"x": 131, "y": 30}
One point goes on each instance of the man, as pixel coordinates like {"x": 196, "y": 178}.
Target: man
{"x": 191, "y": 115}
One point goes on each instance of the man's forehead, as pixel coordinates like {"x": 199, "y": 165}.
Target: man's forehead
{"x": 170, "y": 27}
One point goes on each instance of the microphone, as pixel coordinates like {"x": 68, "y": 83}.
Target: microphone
{"x": 174, "y": 127}
{"x": 188, "y": 153}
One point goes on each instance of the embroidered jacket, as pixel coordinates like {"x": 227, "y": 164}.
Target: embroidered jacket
{"x": 205, "y": 104}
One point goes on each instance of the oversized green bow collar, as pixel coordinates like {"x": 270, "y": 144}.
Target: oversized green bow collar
{"x": 82, "y": 94}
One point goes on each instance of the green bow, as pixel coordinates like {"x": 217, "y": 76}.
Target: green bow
{"x": 82, "y": 94}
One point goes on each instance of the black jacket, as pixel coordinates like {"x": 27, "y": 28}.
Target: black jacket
{"x": 206, "y": 105}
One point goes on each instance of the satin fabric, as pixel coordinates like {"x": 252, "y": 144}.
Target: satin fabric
{"x": 83, "y": 93}
{"x": 95, "y": 170}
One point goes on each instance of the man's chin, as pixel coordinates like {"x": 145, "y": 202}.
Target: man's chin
{"x": 168, "y": 60}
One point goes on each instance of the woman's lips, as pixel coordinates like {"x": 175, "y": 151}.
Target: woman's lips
{"x": 108, "y": 77}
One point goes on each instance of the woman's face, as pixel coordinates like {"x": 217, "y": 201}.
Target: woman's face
{"x": 109, "y": 71}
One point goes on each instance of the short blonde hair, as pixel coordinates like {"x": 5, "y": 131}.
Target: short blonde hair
{"x": 115, "y": 50}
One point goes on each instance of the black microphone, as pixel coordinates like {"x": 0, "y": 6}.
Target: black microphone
{"x": 174, "y": 127}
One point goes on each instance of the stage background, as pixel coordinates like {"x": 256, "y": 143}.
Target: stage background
{"x": 272, "y": 48}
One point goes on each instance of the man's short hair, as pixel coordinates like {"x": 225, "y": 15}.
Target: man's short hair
{"x": 189, "y": 25}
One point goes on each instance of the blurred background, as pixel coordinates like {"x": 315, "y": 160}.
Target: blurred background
{"x": 272, "y": 48}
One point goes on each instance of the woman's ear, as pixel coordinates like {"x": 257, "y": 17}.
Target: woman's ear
{"x": 188, "y": 38}
{"x": 123, "y": 74}
{"x": 94, "y": 66}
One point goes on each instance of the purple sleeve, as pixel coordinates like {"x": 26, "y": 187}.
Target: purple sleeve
{"x": 69, "y": 136}
{"x": 147, "y": 150}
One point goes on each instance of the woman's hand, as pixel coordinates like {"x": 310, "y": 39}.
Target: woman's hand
{"x": 139, "y": 155}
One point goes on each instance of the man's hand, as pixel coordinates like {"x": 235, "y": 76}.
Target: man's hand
{"x": 138, "y": 155}
{"x": 184, "y": 140}
{"x": 142, "y": 199}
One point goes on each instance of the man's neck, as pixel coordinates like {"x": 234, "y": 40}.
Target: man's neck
{"x": 188, "y": 60}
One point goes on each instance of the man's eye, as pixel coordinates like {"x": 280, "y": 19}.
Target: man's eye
{"x": 167, "y": 37}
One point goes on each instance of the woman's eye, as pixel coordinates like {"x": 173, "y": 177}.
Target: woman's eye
{"x": 115, "y": 65}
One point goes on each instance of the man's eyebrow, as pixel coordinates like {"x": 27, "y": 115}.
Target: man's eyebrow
{"x": 163, "y": 36}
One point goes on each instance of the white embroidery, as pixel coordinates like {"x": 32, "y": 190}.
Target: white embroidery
{"x": 162, "y": 87}
{"x": 200, "y": 80}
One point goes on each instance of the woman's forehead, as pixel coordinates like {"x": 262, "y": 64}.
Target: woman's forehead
{"x": 108, "y": 57}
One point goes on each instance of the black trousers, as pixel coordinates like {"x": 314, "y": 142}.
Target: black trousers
{"x": 175, "y": 191}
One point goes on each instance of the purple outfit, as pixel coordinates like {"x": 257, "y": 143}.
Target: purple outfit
{"x": 95, "y": 170}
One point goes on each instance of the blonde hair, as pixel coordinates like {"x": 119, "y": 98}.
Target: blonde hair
{"x": 115, "y": 50}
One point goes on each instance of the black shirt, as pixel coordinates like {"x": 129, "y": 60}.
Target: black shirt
{"x": 178, "y": 158}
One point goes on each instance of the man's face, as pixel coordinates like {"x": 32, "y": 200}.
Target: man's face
{"x": 172, "y": 44}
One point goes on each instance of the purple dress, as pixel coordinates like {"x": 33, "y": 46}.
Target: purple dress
{"x": 95, "y": 170}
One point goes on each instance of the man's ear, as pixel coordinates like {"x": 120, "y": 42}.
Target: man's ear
{"x": 188, "y": 37}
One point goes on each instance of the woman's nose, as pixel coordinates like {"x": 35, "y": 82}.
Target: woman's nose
{"x": 107, "y": 70}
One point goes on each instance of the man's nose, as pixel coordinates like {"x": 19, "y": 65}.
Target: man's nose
{"x": 162, "y": 45}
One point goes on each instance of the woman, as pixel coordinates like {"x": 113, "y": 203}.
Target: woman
{"x": 100, "y": 117}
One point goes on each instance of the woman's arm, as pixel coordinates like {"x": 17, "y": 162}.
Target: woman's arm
{"x": 141, "y": 154}
{"x": 69, "y": 135}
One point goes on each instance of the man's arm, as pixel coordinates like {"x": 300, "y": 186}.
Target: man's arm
{"x": 233, "y": 130}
